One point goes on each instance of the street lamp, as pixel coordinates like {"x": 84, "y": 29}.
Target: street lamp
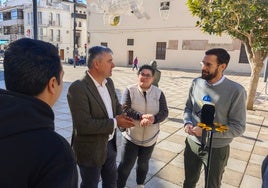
{"x": 74, "y": 33}
{"x": 35, "y": 19}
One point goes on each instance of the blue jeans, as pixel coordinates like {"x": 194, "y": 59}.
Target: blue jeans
{"x": 130, "y": 152}
{"x": 91, "y": 175}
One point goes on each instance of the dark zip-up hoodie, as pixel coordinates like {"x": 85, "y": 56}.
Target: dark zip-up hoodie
{"x": 32, "y": 154}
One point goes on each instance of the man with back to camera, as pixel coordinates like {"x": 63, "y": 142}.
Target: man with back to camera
{"x": 96, "y": 112}
{"x": 33, "y": 154}
{"x": 229, "y": 99}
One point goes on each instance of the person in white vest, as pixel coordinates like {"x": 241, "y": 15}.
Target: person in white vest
{"x": 146, "y": 104}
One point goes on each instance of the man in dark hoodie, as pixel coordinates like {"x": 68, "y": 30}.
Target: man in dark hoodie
{"x": 33, "y": 155}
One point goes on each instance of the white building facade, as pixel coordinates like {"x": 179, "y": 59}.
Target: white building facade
{"x": 11, "y": 22}
{"x": 161, "y": 30}
{"x": 55, "y": 23}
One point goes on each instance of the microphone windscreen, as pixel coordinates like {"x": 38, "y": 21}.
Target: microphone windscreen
{"x": 207, "y": 114}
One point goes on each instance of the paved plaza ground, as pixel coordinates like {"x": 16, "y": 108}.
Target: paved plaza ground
{"x": 166, "y": 166}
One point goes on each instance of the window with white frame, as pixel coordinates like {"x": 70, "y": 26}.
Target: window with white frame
{"x": 40, "y": 31}
{"x": 29, "y": 18}
{"x": 58, "y": 35}
{"x": 21, "y": 29}
{"x": 51, "y": 35}
{"x": 50, "y": 18}
{"x": 20, "y": 14}
{"x": 58, "y": 19}
{"x": 14, "y": 14}
{"x": 39, "y": 18}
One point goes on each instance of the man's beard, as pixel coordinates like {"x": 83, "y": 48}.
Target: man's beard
{"x": 209, "y": 76}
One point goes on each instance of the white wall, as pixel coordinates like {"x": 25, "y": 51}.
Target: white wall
{"x": 180, "y": 26}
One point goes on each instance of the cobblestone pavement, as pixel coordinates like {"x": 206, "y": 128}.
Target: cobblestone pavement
{"x": 166, "y": 166}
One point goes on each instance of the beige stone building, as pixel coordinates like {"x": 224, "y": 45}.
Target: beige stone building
{"x": 161, "y": 30}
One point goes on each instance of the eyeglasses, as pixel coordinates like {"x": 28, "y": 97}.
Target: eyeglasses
{"x": 206, "y": 64}
{"x": 146, "y": 75}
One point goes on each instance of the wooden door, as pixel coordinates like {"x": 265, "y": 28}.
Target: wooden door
{"x": 61, "y": 54}
{"x": 130, "y": 57}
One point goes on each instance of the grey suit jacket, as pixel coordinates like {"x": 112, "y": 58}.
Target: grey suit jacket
{"x": 91, "y": 124}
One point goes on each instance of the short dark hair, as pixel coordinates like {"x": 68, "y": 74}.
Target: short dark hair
{"x": 94, "y": 51}
{"x": 29, "y": 65}
{"x": 223, "y": 56}
{"x": 146, "y": 67}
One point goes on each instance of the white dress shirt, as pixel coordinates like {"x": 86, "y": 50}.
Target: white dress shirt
{"x": 106, "y": 98}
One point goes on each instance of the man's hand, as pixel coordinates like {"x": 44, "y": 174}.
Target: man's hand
{"x": 197, "y": 131}
{"x": 193, "y": 130}
{"x": 188, "y": 128}
{"x": 124, "y": 121}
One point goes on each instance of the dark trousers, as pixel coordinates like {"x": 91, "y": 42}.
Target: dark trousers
{"x": 135, "y": 66}
{"x": 130, "y": 152}
{"x": 108, "y": 172}
{"x": 264, "y": 172}
{"x": 194, "y": 157}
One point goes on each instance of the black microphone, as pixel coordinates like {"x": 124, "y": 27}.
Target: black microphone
{"x": 207, "y": 117}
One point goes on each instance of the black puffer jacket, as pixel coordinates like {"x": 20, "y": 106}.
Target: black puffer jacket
{"x": 32, "y": 154}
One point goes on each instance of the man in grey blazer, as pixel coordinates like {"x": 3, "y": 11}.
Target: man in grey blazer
{"x": 96, "y": 112}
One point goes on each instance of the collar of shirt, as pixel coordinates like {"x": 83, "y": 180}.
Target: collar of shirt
{"x": 147, "y": 91}
{"x": 218, "y": 82}
{"x": 97, "y": 83}
{"x": 103, "y": 91}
